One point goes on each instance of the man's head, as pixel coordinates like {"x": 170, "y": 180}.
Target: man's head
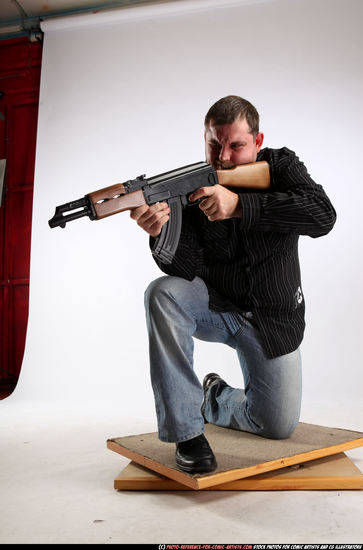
{"x": 232, "y": 135}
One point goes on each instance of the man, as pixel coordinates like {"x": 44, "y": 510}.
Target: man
{"x": 235, "y": 279}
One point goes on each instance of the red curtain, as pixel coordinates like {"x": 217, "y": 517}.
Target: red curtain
{"x": 20, "y": 64}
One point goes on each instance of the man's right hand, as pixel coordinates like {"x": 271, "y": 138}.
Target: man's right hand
{"x": 151, "y": 218}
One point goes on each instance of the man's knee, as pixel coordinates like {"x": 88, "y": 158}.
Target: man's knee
{"x": 282, "y": 431}
{"x": 164, "y": 294}
{"x": 277, "y": 422}
{"x": 154, "y": 289}
{"x": 281, "y": 428}
{"x": 160, "y": 289}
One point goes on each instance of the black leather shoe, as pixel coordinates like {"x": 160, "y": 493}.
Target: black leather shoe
{"x": 195, "y": 455}
{"x": 209, "y": 381}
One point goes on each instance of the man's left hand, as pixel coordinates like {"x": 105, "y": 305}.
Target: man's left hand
{"x": 219, "y": 203}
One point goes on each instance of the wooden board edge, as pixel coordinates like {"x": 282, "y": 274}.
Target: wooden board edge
{"x": 204, "y": 482}
{"x": 346, "y": 476}
{"x": 239, "y": 473}
{"x": 176, "y": 475}
{"x": 334, "y": 483}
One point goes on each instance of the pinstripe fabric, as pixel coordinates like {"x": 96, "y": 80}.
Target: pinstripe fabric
{"x": 251, "y": 264}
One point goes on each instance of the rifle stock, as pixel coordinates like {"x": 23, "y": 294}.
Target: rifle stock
{"x": 255, "y": 175}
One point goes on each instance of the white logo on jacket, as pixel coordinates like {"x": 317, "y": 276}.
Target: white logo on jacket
{"x": 298, "y": 297}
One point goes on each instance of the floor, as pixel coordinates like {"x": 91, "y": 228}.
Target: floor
{"x": 56, "y": 481}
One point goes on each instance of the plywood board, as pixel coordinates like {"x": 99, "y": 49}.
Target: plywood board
{"x": 238, "y": 454}
{"x": 333, "y": 472}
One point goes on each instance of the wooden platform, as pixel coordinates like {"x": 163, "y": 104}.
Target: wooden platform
{"x": 336, "y": 472}
{"x": 239, "y": 454}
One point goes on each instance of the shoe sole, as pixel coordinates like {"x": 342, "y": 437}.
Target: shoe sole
{"x": 196, "y": 469}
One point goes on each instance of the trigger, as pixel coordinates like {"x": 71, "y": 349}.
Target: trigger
{"x": 194, "y": 203}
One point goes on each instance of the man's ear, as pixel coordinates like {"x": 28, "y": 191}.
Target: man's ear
{"x": 259, "y": 140}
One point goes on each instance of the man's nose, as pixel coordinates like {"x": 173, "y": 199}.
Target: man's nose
{"x": 225, "y": 154}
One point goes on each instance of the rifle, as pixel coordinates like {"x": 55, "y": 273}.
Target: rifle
{"x": 173, "y": 187}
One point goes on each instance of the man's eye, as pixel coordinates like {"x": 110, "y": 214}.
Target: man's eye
{"x": 237, "y": 146}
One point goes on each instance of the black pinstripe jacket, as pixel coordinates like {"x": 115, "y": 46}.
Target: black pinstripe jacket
{"x": 252, "y": 264}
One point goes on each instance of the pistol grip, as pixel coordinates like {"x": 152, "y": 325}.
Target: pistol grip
{"x": 168, "y": 240}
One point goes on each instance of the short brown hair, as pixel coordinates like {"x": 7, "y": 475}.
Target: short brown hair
{"x": 228, "y": 109}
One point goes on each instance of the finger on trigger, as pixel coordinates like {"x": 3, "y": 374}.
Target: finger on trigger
{"x": 201, "y": 192}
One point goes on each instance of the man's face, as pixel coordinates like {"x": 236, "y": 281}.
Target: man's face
{"x": 229, "y": 145}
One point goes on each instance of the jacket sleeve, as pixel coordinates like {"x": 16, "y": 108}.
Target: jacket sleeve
{"x": 295, "y": 203}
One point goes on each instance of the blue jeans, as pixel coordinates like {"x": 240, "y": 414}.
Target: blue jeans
{"x": 269, "y": 405}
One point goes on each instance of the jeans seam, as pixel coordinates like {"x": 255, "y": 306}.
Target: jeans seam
{"x": 241, "y": 330}
{"x": 209, "y": 324}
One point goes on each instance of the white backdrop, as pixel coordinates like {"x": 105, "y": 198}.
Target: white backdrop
{"x": 124, "y": 93}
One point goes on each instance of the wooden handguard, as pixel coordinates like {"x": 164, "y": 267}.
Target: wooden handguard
{"x": 112, "y": 200}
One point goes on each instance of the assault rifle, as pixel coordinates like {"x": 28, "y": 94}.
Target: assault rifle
{"x": 173, "y": 187}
